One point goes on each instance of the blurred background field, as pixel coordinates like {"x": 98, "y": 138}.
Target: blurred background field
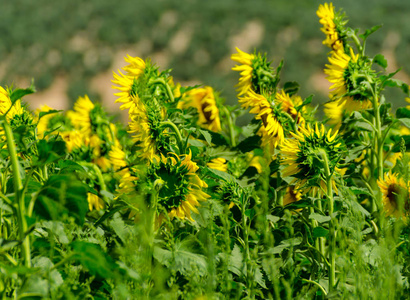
{"x": 71, "y": 47}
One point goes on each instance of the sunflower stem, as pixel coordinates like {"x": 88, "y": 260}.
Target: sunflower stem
{"x": 178, "y": 135}
{"x": 19, "y": 195}
{"x": 165, "y": 84}
{"x": 378, "y": 149}
{"x": 247, "y": 258}
{"x": 332, "y": 232}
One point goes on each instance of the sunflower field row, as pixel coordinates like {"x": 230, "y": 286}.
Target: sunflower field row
{"x": 182, "y": 203}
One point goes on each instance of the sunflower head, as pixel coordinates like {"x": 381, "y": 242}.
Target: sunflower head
{"x": 94, "y": 202}
{"x": 256, "y": 73}
{"x": 351, "y": 76}
{"x": 218, "y": 163}
{"x": 204, "y": 100}
{"x": 396, "y": 195}
{"x": 180, "y": 187}
{"x": 333, "y": 27}
{"x": 302, "y": 157}
{"x": 147, "y": 131}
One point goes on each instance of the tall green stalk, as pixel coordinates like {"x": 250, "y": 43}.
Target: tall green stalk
{"x": 19, "y": 195}
{"x": 332, "y": 231}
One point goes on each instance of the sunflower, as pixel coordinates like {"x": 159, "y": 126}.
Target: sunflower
{"x": 218, "y": 163}
{"x": 143, "y": 131}
{"x": 246, "y": 70}
{"x": 94, "y": 202}
{"x": 117, "y": 157}
{"x": 292, "y": 195}
{"x": 73, "y": 139}
{"x": 127, "y": 83}
{"x": 5, "y": 104}
{"x": 42, "y": 124}
{"x": 81, "y": 117}
{"x": 289, "y": 104}
{"x": 181, "y": 189}
{"x": 256, "y": 73}
{"x": 301, "y": 157}
{"x": 396, "y": 195}
{"x": 335, "y": 112}
{"x": 203, "y": 99}
{"x": 327, "y": 19}
{"x": 345, "y": 72}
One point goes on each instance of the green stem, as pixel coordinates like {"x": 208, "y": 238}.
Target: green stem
{"x": 178, "y": 135}
{"x": 332, "y": 233}
{"x": 291, "y": 120}
{"x": 166, "y": 85}
{"x": 231, "y": 126}
{"x": 317, "y": 284}
{"x": 247, "y": 258}
{"x": 19, "y": 194}
{"x": 100, "y": 179}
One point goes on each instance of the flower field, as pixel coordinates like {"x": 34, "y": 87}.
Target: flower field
{"x": 181, "y": 202}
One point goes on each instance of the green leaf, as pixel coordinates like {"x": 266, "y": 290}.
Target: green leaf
{"x": 62, "y": 195}
{"x": 368, "y": 32}
{"x": 405, "y": 122}
{"x": 291, "y": 87}
{"x": 120, "y": 228}
{"x": 69, "y": 166}
{"x": 20, "y": 93}
{"x": 305, "y": 102}
{"x": 7, "y": 245}
{"x": 45, "y": 113}
{"x": 259, "y": 277}
{"x": 207, "y": 136}
{"x": 223, "y": 175}
{"x": 249, "y": 144}
{"x": 299, "y": 204}
{"x": 380, "y": 60}
{"x": 183, "y": 259}
{"x": 397, "y": 83}
{"x": 92, "y": 257}
{"x": 320, "y": 232}
{"x": 364, "y": 126}
{"x": 285, "y": 245}
{"x": 236, "y": 261}
{"x": 403, "y": 113}
{"x": 318, "y": 217}
{"x": 49, "y": 151}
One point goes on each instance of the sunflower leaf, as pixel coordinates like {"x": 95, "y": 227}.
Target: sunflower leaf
{"x": 380, "y": 60}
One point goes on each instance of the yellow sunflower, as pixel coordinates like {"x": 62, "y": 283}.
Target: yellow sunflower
{"x": 301, "y": 158}
{"x": 327, "y": 19}
{"x": 74, "y": 139}
{"x": 341, "y": 73}
{"x": 203, "y": 99}
{"x": 395, "y": 192}
{"x": 289, "y": 104}
{"x": 126, "y": 83}
{"x": 81, "y": 118}
{"x": 94, "y": 202}
{"x": 42, "y": 125}
{"x": 5, "y": 104}
{"x": 218, "y": 163}
{"x": 140, "y": 127}
{"x": 245, "y": 69}
{"x": 334, "y": 111}
{"x": 182, "y": 189}
{"x": 117, "y": 157}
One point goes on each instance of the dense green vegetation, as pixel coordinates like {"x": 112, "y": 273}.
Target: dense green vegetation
{"x": 38, "y": 38}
